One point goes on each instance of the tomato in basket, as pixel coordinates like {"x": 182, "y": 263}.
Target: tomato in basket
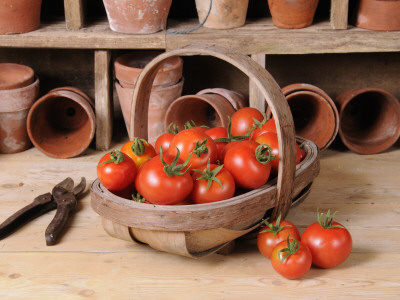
{"x": 139, "y": 150}
{"x": 165, "y": 139}
{"x": 243, "y": 120}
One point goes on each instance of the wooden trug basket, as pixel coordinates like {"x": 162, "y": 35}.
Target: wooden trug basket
{"x": 202, "y": 229}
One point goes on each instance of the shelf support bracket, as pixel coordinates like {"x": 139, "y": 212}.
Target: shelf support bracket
{"x": 103, "y": 99}
{"x": 339, "y": 14}
{"x": 74, "y": 14}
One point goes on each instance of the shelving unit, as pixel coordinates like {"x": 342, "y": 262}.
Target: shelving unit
{"x": 257, "y": 38}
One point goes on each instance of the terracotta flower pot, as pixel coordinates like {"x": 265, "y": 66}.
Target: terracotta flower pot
{"x": 61, "y": 124}
{"x": 237, "y": 99}
{"x": 224, "y": 14}
{"x": 369, "y": 120}
{"x": 13, "y": 76}
{"x": 128, "y": 67}
{"x": 314, "y": 113}
{"x": 292, "y": 14}
{"x": 14, "y": 108}
{"x": 19, "y": 16}
{"x": 378, "y": 15}
{"x": 161, "y": 97}
{"x": 207, "y": 109}
{"x": 137, "y": 16}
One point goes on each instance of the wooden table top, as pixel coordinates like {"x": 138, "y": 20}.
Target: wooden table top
{"x": 87, "y": 263}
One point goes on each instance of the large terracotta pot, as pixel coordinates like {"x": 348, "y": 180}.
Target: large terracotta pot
{"x": 369, "y": 120}
{"x": 161, "y": 97}
{"x": 14, "y": 108}
{"x": 19, "y": 16}
{"x": 224, "y": 14}
{"x": 314, "y": 113}
{"x": 292, "y": 14}
{"x": 137, "y": 16}
{"x": 378, "y": 15}
{"x": 61, "y": 124}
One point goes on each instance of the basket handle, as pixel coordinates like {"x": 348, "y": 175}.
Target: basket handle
{"x": 261, "y": 78}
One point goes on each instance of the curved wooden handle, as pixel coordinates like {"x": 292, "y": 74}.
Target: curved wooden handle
{"x": 262, "y": 79}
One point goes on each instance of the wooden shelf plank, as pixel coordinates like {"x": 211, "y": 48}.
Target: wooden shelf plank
{"x": 257, "y": 36}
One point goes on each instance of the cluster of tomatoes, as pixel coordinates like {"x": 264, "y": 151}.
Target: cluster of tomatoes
{"x": 324, "y": 244}
{"x": 197, "y": 164}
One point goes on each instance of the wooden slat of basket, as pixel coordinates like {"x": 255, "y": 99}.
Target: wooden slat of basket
{"x": 261, "y": 79}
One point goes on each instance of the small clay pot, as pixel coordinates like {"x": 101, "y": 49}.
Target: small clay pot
{"x": 14, "y": 108}
{"x": 369, "y": 120}
{"x": 19, "y": 16}
{"x": 378, "y": 15}
{"x": 14, "y": 76}
{"x": 292, "y": 14}
{"x": 314, "y": 113}
{"x": 161, "y": 97}
{"x": 137, "y": 16}
{"x": 208, "y": 110}
{"x": 61, "y": 124}
{"x": 128, "y": 67}
{"x": 237, "y": 99}
{"x": 224, "y": 14}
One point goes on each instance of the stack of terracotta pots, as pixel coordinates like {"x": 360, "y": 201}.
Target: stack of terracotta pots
{"x": 19, "y": 88}
{"x": 19, "y": 16}
{"x": 167, "y": 86}
{"x": 61, "y": 124}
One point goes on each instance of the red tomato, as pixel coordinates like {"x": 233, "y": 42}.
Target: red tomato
{"x": 197, "y": 144}
{"x": 213, "y": 183}
{"x": 139, "y": 150}
{"x": 218, "y": 133}
{"x": 243, "y": 119}
{"x": 117, "y": 172}
{"x": 330, "y": 242}
{"x": 165, "y": 139}
{"x": 273, "y": 233}
{"x": 291, "y": 258}
{"x": 271, "y": 139}
{"x": 164, "y": 180}
{"x": 248, "y": 164}
{"x": 268, "y": 126}
{"x": 302, "y": 152}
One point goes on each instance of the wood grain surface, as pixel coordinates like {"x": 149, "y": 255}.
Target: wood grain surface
{"x": 88, "y": 263}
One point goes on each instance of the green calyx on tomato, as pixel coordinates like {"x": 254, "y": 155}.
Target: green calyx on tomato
{"x": 138, "y": 146}
{"x": 173, "y": 168}
{"x": 231, "y": 138}
{"x": 200, "y": 148}
{"x": 326, "y": 222}
{"x": 275, "y": 229}
{"x": 191, "y": 124}
{"x": 258, "y": 124}
{"x": 210, "y": 175}
{"x": 172, "y": 128}
{"x": 116, "y": 157}
{"x": 292, "y": 247}
{"x": 138, "y": 198}
{"x": 261, "y": 154}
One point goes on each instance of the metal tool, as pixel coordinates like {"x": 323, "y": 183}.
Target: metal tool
{"x": 63, "y": 198}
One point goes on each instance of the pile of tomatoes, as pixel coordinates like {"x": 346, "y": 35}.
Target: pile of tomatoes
{"x": 197, "y": 164}
{"x": 324, "y": 244}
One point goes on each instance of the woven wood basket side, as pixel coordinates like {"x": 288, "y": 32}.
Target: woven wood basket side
{"x": 261, "y": 78}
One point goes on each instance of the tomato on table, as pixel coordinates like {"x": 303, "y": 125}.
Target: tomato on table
{"x": 139, "y": 150}
{"x": 291, "y": 259}
{"x": 243, "y": 119}
{"x": 273, "y": 233}
{"x": 196, "y": 145}
{"x": 249, "y": 163}
{"x": 211, "y": 184}
{"x": 117, "y": 172}
{"x": 164, "y": 179}
{"x": 329, "y": 241}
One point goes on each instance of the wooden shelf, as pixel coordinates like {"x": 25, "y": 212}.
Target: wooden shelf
{"x": 257, "y": 36}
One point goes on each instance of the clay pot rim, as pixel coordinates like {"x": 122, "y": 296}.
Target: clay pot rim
{"x": 84, "y": 104}
{"x": 237, "y": 99}
{"x": 177, "y": 60}
{"x": 347, "y": 96}
{"x": 26, "y": 76}
{"x": 21, "y": 89}
{"x": 75, "y": 90}
{"x": 156, "y": 87}
{"x": 32, "y": 88}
